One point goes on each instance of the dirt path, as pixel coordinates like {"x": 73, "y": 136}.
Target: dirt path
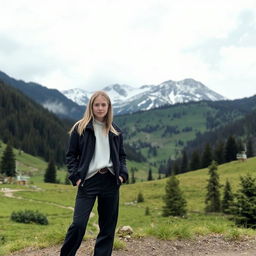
{"x": 8, "y": 192}
{"x": 210, "y": 246}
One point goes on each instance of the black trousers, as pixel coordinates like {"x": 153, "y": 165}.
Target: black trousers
{"x": 105, "y": 188}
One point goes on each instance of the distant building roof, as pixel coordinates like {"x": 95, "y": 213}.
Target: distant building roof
{"x": 20, "y": 177}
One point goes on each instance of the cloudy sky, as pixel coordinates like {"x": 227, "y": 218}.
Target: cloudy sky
{"x": 92, "y": 44}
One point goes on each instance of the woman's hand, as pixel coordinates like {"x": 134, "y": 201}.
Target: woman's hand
{"x": 78, "y": 182}
{"x": 121, "y": 179}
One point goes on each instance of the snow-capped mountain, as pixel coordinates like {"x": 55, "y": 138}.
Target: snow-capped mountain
{"x": 127, "y": 99}
{"x": 79, "y": 96}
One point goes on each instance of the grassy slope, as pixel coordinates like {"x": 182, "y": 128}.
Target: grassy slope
{"x": 14, "y": 236}
{"x": 182, "y": 116}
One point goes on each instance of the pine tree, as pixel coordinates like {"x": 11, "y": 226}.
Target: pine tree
{"x": 140, "y": 198}
{"x": 8, "y": 165}
{"x": 228, "y": 198}
{"x": 147, "y": 211}
{"x": 239, "y": 146}
{"x": 184, "y": 162}
{"x": 206, "y": 157}
{"x": 212, "y": 201}
{"x": 175, "y": 203}
{"x": 195, "y": 161}
{"x": 249, "y": 147}
{"x": 244, "y": 209}
{"x": 50, "y": 173}
{"x": 176, "y": 166}
{"x": 133, "y": 179}
{"x": 167, "y": 169}
{"x": 150, "y": 174}
{"x": 219, "y": 153}
{"x": 230, "y": 149}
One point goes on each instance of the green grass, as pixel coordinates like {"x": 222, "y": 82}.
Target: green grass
{"x": 28, "y": 164}
{"x": 50, "y": 197}
{"x": 182, "y": 116}
{"x": 119, "y": 244}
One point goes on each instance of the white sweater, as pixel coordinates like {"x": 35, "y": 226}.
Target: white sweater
{"x": 101, "y": 156}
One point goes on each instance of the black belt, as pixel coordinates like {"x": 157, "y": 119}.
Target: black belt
{"x": 103, "y": 170}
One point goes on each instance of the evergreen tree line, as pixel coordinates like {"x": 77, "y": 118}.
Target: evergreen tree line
{"x": 132, "y": 178}
{"x": 240, "y": 206}
{"x": 242, "y": 128}
{"x": 133, "y": 154}
{"x": 222, "y": 152}
{"x": 230, "y": 117}
{"x": 29, "y": 127}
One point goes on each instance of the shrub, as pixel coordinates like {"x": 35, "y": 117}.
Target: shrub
{"x": 2, "y": 239}
{"x": 29, "y": 216}
{"x": 140, "y": 198}
{"x": 119, "y": 244}
{"x": 147, "y": 212}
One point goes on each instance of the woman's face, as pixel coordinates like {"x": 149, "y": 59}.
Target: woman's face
{"x": 100, "y": 108}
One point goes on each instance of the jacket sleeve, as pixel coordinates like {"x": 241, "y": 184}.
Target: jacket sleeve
{"x": 122, "y": 158}
{"x": 72, "y": 157}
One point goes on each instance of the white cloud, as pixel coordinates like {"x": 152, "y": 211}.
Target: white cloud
{"x": 90, "y": 44}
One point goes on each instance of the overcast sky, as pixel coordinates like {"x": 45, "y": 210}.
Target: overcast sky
{"x": 92, "y": 44}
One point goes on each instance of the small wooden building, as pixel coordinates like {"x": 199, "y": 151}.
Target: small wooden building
{"x": 22, "y": 180}
{"x": 241, "y": 156}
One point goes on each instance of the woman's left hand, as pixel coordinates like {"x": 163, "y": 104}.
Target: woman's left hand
{"x": 121, "y": 179}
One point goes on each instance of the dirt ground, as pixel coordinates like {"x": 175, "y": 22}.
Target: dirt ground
{"x": 214, "y": 245}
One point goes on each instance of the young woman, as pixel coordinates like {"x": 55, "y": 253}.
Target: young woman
{"x": 96, "y": 162}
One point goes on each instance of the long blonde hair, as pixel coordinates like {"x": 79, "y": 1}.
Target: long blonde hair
{"x": 88, "y": 115}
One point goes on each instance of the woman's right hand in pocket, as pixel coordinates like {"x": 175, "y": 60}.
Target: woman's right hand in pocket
{"x": 78, "y": 182}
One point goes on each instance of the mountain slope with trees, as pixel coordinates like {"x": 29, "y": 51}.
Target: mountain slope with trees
{"x": 29, "y": 127}
{"x": 51, "y": 99}
{"x": 152, "y": 138}
{"x": 162, "y": 134}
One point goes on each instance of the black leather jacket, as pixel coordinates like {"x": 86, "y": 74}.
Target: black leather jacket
{"x": 80, "y": 152}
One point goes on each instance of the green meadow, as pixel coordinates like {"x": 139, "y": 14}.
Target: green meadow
{"x": 56, "y": 201}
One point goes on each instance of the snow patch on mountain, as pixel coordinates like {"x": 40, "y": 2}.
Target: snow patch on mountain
{"x": 127, "y": 99}
{"x": 80, "y": 96}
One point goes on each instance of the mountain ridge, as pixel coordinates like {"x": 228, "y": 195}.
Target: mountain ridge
{"x": 51, "y": 99}
{"x": 128, "y": 99}
{"x": 70, "y": 104}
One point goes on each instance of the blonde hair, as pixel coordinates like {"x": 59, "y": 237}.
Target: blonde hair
{"x": 88, "y": 115}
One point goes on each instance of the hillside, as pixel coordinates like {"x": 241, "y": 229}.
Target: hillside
{"x": 242, "y": 128}
{"x": 162, "y": 133}
{"x": 51, "y": 99}
{"x": 30, "y": 127}
{"x": 151, "y": 137}
{"x": 27, "y": 165}
{"x": 56, "y": 201}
